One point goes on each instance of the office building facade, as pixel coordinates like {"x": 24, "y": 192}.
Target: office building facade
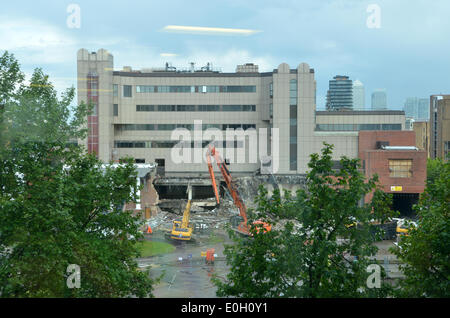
{"x": 379, "y": 99}
{"x": 440, "y": 126}
{"x": 417, "y": 108}
{"x": 138, "y": 113}
{"x": 340, "y": 93}
{"x": 359, "y": 97}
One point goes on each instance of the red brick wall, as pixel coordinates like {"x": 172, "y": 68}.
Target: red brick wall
{"x": 377, "y": 161}
{"x": 368, "y": 139}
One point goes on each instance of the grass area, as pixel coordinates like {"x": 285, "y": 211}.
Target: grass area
{"x": 148, "y": 248}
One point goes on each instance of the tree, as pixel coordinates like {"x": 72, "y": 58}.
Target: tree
{"x": 59, "y": 205}
{"x": 320, "y": 242}
{"x": 425, "y": 252}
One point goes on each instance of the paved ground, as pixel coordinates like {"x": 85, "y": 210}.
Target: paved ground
{"x": 185, "y": 272}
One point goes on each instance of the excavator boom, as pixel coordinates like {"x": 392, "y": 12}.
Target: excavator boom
{"x": 243, "y": 228}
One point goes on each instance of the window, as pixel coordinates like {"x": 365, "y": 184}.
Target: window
{"x": 145, "y": 108}
{"x": 185, "y": 108}
{"x": 400, "y": 168}
{"x": 232, "y": 108}
{"x": 293, "y": 125}
{"x": 115, "y": 110}
{"x": 126, "y": 90}
{"x": 392, "y": 127}
{"x": 166, "y": 108}
{"x": 94, "y": 88}
{"x": 115, "y": 90}
{"x": 271, "y": 90}
{"x": 446, "y": 149}
{"x": 212, "y": 108}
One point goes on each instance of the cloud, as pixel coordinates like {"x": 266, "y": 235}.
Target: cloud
{"x": 224, "y": 60}
{"x": 208, "y": 30}
{"x": 34, "y": 41}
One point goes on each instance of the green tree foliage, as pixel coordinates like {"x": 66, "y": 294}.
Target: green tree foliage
{"x": 425, "y": 252}
{"x": 321, "y": 238}
{"x": 58, "y": 205}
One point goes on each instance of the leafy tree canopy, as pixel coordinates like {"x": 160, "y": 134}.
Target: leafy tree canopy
{"x": 425, "y": 252}
{"x": 59, "y": 205}
{"x": 321, "y": 239}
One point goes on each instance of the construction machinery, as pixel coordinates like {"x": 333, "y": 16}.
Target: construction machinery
{"x": 242, "y": 226}
{"x": 182, "y": 231}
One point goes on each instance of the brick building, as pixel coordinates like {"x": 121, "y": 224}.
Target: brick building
{"x": 400, "y": 165}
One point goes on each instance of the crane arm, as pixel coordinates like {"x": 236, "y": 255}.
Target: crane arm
{"x": 211, "y": 174}
{"x": 228, "y": 180}
{"x": 186, "y": 215}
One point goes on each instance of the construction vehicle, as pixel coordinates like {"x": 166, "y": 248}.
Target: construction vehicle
{"x": 182, "y": 231}
{"x": 242, "y": 227}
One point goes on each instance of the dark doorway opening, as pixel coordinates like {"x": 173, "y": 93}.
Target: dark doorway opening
{"x": 161, "y": 168}
{"x": 403, "y": 202}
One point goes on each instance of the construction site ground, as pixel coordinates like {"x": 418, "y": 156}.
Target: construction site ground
{"x": 184, "y": 272}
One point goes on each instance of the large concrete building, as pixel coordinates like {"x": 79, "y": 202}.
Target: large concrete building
{"x": 439, "y": 126}
{"x": 136, "y": 112}
{"x": 145, "y": 113}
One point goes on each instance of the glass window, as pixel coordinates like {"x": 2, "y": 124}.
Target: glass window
{"x": 400, "y": 168}
{"x": 115, "y": 110}
{"x": 115, "y": 90}
{"x": 145, "y": 108}
{"x": 126, "y": 90}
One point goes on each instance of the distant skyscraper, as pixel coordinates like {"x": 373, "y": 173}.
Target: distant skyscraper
{"x": 359, "y": 98}
{"x": 417, "y": 108}
{"x": 410, "y": 107}
{"x": 340, "y": 93}
{"x": 424, "y": 109}
{"x": 379, "y": 99}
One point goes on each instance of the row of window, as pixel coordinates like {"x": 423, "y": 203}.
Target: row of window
{"x": 172, "y": 143}
{"x": 160, "y": 127}
{"x": 293, "y": 125}
{"x": 357, "y": 127}
{"x": 193, "y": 108}
{"x": 195, "y": 89}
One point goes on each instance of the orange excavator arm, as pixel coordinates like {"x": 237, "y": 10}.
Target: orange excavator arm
{"x": 211, "y": 174}
{"x": 212, "y": 152}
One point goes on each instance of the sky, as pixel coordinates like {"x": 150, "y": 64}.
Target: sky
{"x": 400, "y": 45}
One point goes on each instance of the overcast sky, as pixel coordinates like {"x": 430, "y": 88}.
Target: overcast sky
{"x": 408, "y": 54}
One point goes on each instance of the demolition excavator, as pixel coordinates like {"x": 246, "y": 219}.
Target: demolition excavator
{"x": 182, "y": 231}
{"x": 242, "y": 227}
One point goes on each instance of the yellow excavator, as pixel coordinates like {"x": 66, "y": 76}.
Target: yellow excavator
{"x": 182, "y": 231}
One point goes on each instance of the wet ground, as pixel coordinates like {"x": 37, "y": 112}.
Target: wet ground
{"x": 185, "y": 272}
